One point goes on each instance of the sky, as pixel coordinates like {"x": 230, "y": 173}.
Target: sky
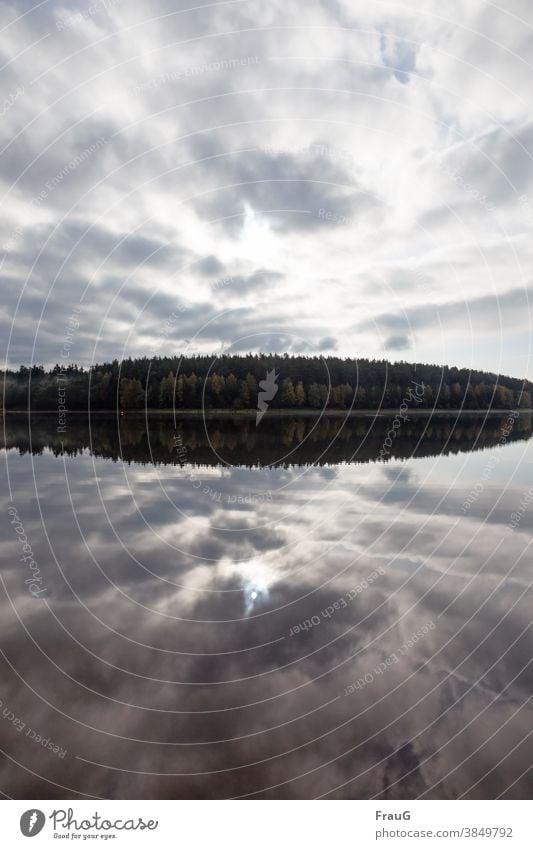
{"x": 325, "y": 177}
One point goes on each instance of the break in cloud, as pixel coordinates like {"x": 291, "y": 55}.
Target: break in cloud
{"x": 321, "y": 177}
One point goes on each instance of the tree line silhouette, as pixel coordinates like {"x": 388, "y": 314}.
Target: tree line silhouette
{"x": 232, "y": 382}
{"x": 281, "y": 442}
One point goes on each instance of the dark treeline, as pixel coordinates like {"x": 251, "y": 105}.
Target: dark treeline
{"x": 232, "y": 382}
{"x": 279, "y": 442}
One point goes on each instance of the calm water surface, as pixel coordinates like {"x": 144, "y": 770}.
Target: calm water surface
{"x": 274, "y": 612}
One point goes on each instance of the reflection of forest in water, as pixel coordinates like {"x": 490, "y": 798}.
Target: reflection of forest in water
{"x": 279, "y": 442}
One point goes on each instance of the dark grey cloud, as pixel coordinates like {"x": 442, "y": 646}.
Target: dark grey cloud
{"x": 98, "y": 245}
{"x": 398, "y": 342}
{"x": 502, "y": 166}
{"x": 484, "y": 313}
{"x": 56, "y": 175}
{"x": 289, "y": 189}
{"x": 399, "y": 55}
{"x": 256, "y": 283}
{"x": 210, "y": 266}
{"x": 327, "y": 343}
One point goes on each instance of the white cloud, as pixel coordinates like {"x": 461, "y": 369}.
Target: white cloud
{"x": 358, "y": 161}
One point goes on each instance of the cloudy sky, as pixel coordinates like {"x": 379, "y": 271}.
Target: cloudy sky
{"x": 329, "y": 176}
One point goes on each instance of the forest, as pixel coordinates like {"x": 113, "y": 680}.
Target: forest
{"x": 232, "y": 382}
{"x": 279, "y": 442}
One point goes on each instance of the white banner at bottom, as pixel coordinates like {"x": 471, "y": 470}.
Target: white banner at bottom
{"x": 266, "y": 824}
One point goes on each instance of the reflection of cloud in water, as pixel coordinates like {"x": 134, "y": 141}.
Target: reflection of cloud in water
{"x": 257, "y": 577}
{"x": 149, "y": 617}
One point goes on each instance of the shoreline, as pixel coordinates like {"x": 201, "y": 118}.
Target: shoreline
{"x": 305, "y": 412}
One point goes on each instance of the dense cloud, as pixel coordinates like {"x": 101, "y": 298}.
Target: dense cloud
{"x": 356, "y": 180}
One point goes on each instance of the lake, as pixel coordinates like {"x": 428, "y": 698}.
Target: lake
{"x": 308, "y": 608}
